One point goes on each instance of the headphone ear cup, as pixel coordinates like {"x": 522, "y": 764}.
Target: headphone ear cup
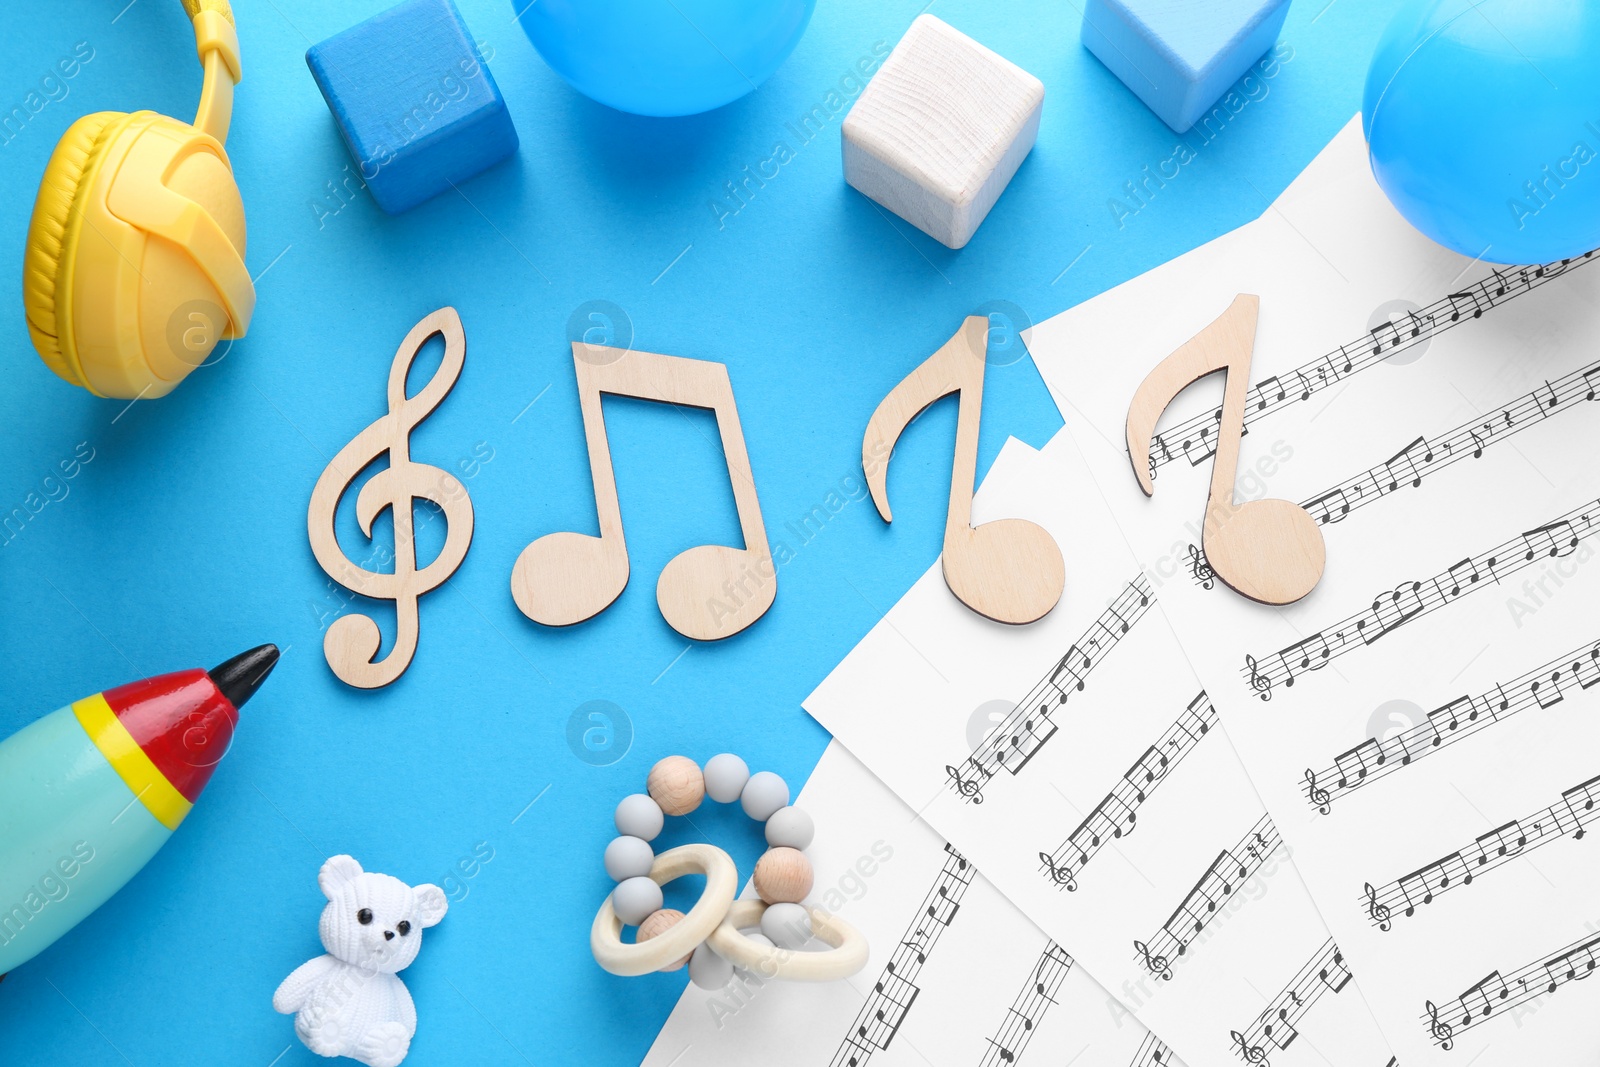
{"x": 50, "y": 231}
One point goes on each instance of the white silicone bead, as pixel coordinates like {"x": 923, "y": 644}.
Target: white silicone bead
{"x": 790, "y": 828}
{"x": 764, "y": 794}
{"x": 725, "y": 777}
{"x": 709, "y": 970}
{"x": 639, "y": 816}
{"x": 786, "y": 925}
{"x": 635, "y": 900}
{"x": 628, "y": 857}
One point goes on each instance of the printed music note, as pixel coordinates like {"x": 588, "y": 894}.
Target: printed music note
{"x": 1475, "y": 304}
{"x": 1402, "y": 466}
{"x": 352, "y": 642}
{"x": 1391, "y": 611}
{"x": 707, "y": 592}
{"x": 1269, "y": 550}
{"x": 1555, "y": 539}
{"x": 1008, "y": 570}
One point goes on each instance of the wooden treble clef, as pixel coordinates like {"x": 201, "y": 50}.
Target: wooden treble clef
{"x": 352, "y": 642}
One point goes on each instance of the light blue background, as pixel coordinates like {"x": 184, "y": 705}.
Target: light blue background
{"x": 184, "y": 540}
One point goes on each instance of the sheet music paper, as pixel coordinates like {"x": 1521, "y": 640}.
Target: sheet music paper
{"x": 957, "y": 974}
{"x": 1080, "y": 764}
{"x": 1421, "y": 725}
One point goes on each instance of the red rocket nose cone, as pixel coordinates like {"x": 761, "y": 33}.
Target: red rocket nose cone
{"x": 182, "y": 722}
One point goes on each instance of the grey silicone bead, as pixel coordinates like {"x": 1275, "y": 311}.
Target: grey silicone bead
{"x": 709, "y": 970}
{"x": 764, "y": 794}
{"x": 639, "y": 816}
{"x": 629, "y": 857}
{"x": 635, "y": 899}
{"x": 725, "y": 777}
{"x": 790, "y": 828}
{"x": 788, "y": 925}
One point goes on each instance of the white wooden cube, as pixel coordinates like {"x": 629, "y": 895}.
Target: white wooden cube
{"x": 940, "y": 130}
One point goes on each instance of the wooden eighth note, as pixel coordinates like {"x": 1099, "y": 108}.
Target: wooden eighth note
{"x": 351, "y": 643}
{"x": 1008, "y": 570}
{"x": 1268, "y": 550}
{"x": 565, "y": 578}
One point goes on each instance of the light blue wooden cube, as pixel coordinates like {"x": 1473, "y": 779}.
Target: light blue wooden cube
{"x": 414, "y": 101}
{"x": 1180, "y": 56}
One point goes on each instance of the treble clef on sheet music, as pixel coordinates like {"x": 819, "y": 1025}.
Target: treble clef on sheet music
{"x": 1200, "y": 570}
{"x": 1378, "y": 912}
{"x": 1438, "y": 1029}
{"x": 1251, "y": 1053}
{"x": 1317, "y": 794}
{"x": 970, "y": 788}
{"x": 1158, "y": 964}
{"x": 1061, "y": 875}
{"x": 1258, "y": 681}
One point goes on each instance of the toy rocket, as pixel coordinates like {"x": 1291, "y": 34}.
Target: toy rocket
{"x": 91, "y": 791}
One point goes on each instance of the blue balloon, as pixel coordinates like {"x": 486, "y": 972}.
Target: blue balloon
{"x": 1483, "y": 124}
{"x": 665, "y": 57}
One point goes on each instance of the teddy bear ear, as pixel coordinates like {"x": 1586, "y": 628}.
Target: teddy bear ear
{"x": 337, "y": 872}
{"x": 431, "y": 904}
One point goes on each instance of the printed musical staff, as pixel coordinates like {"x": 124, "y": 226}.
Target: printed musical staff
{"x": 1275, "y": 1027}
{"x": 1427, "y": 455}
{"x": 1543, "y": 687}
{"x": 1116, "y": 815}
{"x": 1228, "y": 872}
{"x": 1572, "y": 814}
{"x": 896, "y": 989}
{"x": 1034, "y": 999}
{"x": 1153, "y": 1053}
{"x": 1497, "y": 994}
{"x": 1408, "y": 601}
{"x": 1029, "y": 725}
{"x": 1194, "y": 439}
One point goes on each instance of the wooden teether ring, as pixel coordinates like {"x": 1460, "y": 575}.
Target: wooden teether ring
{"x": 847, "y": 956}
{"x": 605, "y": 936}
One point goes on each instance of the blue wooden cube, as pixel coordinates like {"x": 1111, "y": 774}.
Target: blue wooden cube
{"x": 1180, "y": 56}
{"x": 416, "y": 104}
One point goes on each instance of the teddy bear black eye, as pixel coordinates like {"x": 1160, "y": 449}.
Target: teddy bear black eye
{"x": 364, "y": 916}
{"x": 404, "y": 927}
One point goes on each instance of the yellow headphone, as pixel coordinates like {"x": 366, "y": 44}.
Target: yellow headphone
{"x": 135, "y": 260}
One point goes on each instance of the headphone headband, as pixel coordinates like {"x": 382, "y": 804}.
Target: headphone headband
{"x": 217, "y": 42}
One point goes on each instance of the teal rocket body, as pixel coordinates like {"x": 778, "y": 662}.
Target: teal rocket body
{"x": 72, "y": 833}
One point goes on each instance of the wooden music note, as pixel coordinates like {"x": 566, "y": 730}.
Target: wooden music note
{"x": 351, "y": 643}
{"x": 1268, "y": 550}
{"x": 1008, "y": 570}
{"x": 705, "y": 592}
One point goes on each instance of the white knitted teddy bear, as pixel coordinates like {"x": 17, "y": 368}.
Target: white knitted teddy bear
{"x": 350, "y": 1002}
